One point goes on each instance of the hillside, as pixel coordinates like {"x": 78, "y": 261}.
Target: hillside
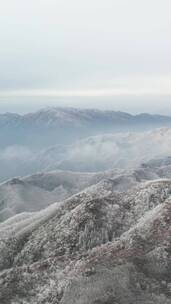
{"x": 99, "y": 246}
{"x": 35, "y": 192}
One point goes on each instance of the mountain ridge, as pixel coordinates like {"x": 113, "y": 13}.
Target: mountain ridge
{"x": 82, "y": 112}
{"x": 35, "y": 192}
{"x": 99, "y": 246}
{"x": 52, "y": 125}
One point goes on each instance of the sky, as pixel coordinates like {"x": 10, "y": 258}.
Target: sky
{"x": 112, "y": 54}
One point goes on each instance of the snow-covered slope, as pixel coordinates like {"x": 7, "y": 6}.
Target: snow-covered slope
{"x": 32, "y": 193}
{"x": 99, "y": 246}
{"x": 18, "y": 196}
{"x": 96, "y": 237}
{"x": 35, "y": 192}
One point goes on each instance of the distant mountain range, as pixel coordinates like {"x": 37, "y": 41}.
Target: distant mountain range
{"x": 64, "y": 125}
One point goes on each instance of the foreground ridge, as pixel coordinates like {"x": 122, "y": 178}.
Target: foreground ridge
{"x": 99, "y": 246}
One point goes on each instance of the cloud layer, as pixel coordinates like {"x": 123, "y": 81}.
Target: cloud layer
{"x": 75, "y": 48}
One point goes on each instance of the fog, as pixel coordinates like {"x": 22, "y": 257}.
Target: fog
{"x": 92, "y": 154}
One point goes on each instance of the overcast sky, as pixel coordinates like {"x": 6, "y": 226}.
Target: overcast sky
{"x": 86, "y": 53}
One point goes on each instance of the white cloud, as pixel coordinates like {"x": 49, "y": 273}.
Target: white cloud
{"x": 63, "y": 48}
{"x": 139, "y": 85}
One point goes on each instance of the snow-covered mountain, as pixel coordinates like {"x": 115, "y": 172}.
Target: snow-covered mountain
{"x": 86, "y": 217}
{"x": 99, "y": 246}
{"x": 64, "y": 125}
{"x": 35, "y": 192}
{"x": 73, "y": 139}
{"x": 95, "y": 153}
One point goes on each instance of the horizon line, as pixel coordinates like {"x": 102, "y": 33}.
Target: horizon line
{"x": 83, "y": 93}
